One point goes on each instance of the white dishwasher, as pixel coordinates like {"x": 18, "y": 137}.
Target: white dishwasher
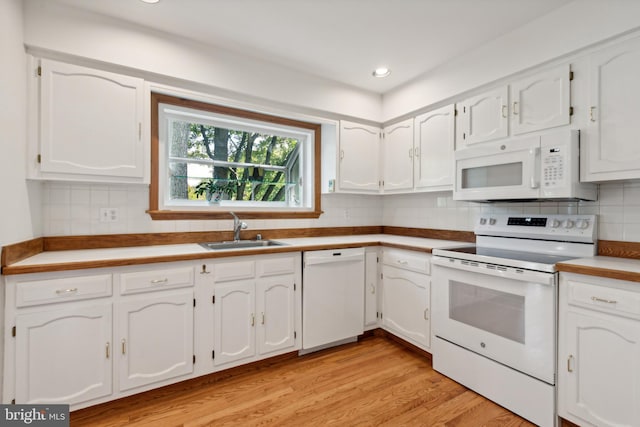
{"x": 332, "y": 296}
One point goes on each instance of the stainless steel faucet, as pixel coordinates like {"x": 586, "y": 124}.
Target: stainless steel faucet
{"x": 237, "y": 226}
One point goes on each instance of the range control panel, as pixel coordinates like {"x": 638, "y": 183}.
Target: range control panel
{"x": 581, "y": 228}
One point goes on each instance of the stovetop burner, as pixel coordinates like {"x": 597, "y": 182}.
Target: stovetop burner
{"x": 535, "y": 242}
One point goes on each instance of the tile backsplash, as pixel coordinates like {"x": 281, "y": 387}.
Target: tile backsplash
{"x": 618, "y": 210}
{"x": 74, "y": 209}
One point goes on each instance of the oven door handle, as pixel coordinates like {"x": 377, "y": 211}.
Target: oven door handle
{"x": 511, "y": 273}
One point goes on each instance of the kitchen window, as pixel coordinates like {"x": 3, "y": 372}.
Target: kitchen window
{"x": 208, "y": 160}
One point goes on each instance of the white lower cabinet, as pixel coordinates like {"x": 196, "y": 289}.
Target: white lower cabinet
{"x": 275, "y": 306}
{"x": 155, "y": 340}
{"x": 406, "y": 291}
{"x": 90, "y": 336}
{"x": 371, "y": 287}
{"x": 256, "y": 308}
{"x": 599, "y": 351}
{"x": 64, "y": 355}
{"x": 234, "y": 314}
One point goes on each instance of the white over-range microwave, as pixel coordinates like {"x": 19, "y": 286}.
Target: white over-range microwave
{"x": 541, "y": 167}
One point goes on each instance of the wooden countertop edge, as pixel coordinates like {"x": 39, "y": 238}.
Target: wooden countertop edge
{"x": 598, "y": 271}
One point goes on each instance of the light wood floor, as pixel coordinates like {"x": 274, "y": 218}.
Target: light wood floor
{"x": 373, "y": 382}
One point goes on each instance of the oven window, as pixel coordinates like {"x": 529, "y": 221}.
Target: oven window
{"x": 496, "y": 312}
{"x": 508, "y": 174}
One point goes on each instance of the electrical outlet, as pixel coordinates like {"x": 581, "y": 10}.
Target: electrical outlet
{"x": 108, "y": 214}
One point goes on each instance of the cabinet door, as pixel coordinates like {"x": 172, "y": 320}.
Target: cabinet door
{"x": 602, "y": 370}
{"x": 434, "y": 142}
{"x": 64, "y": 356}
{"x": 156, "y": 338}
{"x": 541, "y": 101}
{"x": 486, "y": 116}
{"x": 610, "y": 143}
{"x": 276, "y": 313}
{"x": 91, "y": 122}
{"x": 397, "y": 156}
{"x": 359, "y": 145}
{"x": 370, "y": 290}
{"x": 234, "y": 318}
{"x": 405, "y": 305}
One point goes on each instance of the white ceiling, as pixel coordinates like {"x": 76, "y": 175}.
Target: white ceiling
{"x": 343, "y": 40}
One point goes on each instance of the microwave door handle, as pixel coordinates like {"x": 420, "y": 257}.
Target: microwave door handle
{"x": 534, "y": 154}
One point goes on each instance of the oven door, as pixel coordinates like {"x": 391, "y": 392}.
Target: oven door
{"x": 508, "y": 170}
{"x": 503, "y": 313}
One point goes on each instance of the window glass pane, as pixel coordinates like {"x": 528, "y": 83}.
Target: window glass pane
{"x": 237, "y": 165}
{"x": 507, "y": 174}
{"x": 499, "y": 313}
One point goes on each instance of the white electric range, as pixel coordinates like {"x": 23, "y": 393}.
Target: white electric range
{"x": 495, "y": 307}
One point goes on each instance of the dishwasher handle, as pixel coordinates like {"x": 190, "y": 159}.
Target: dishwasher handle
{"x": 334, "y": 257}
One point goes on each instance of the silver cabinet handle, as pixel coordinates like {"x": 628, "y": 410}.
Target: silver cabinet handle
{"x": 204, "y": 269}
{"x": 373, "y": 288}
{"x": 107, "y": 350}
{"x": 253, "y": 319}
{"x": 124, "y": 346}
{"x": 592, "y": 116}
{"x": 341, "y": 154}
{"x": 410, "y": 153}
{"x": 515, "y": 108}
{"x": 158, "y": 281}
{"x": 426, "y": 310}
{"x": 504, "y": 111}
{"x": 403, "y": 262}
{"x": 67, "y": 291}
{"x": 416, "y": 151}
{"x": 263, "y": 318}
{"x": 569, "y": 360}
{"x": 608, "y": 301}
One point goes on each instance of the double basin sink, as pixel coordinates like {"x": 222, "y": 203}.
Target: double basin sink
{"x": 240, "y": 244}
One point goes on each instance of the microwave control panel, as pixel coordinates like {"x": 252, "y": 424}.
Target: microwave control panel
{"x": 554, "y": 160}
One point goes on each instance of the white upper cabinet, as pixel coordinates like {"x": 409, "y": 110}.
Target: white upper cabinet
{"x": 485, "y": 117}
{"x": 538, "y": 102}
{"x": 433, "y": 153}
{"x": 90, "y": 125}
{"x": 359, "y": 158}
{"x": 541, "y": 101}
{"x": 397, "y": 155}
{"x": 610, "y": 146}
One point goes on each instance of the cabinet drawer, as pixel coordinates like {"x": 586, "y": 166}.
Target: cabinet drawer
{"x": 407, "y": 260}
{"x": 48, "y": 291}
{"x": 617, "y": 301}
{"x": 276, "y": 266}
{"x": 154, "y": 280}
{"x": 234, "y": 271}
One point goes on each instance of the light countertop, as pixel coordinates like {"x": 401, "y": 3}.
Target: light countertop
{"x": 92, "y": 258}
{"x": 604, "y": 266}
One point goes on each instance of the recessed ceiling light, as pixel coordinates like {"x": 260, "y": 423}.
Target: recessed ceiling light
{"x": 150, "y": 1}
{"x": 381, "y": 72}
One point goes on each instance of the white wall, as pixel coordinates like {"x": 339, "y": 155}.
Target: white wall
{"x": 91, "y": 36}
{"x": 20, "y": 217}
{"x": 575, "y": 26}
